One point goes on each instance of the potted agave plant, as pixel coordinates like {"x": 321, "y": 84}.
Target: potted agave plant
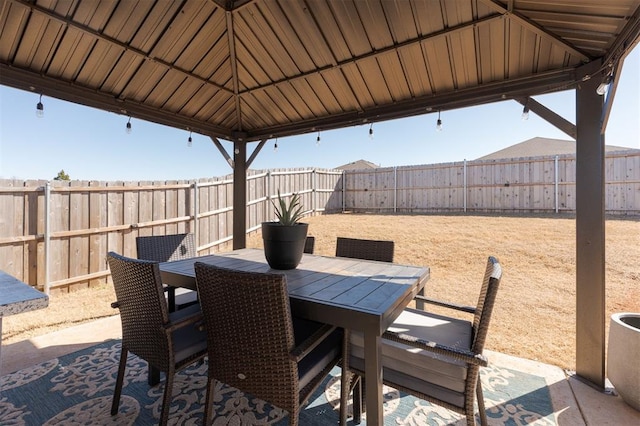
{"x": 284, "y": 238}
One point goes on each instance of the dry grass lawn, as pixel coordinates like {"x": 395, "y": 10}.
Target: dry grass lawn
{"x": 535, "y": 312}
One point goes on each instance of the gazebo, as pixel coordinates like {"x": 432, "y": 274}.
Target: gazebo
{"x": 246, "y": 71}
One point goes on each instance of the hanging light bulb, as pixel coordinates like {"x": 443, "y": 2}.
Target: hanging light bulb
{"x": 275, "y": 146}
{"x": 371, "y": 131}
{"x": 128, "y": 129}
{"x": 318, "y": 138}
{"x": 40, "y": 108}
{"x": 602, "y": 88}
{"x": 190, "y": 140}
{"x": 525, "y": 113}
{"x": 439, "y": 123}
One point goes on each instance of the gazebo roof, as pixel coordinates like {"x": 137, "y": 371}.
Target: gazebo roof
{"x": 250, "y": 70}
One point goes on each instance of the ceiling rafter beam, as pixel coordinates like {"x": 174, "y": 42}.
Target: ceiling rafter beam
{"x": 255, "y": 152}
{"x": 520, "y": 19}
{"x": 32, "y": 82}
{"x": 100, "y": 36}
{"x": 629, "y": 37}
{"x": 234, "y": 68}
{"x": 231, "y": 5}
{"x": 487, "y": 93}
{"x": 550, "y": 116}
{"x": 223, "y": 151}
{"x": 379, "y": 52}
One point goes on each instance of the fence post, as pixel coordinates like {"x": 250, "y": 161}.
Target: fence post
{"x": 344, "y": 192}
{"x": 47, "y": 235}
{"x": 196, "y": 208}
{"x": 556, "y": 195}
{"x": 395, "y": 189}
{"x": 464, "y": 185}
{"x": 267, "y": 192}
{"x": 314, "y": 193}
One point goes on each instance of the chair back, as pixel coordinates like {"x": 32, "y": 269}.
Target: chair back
{"x": 486, "y": 301}
{"x": 143, "y": 309}
{"x": 163, "y": 248}
{"x": 365, "y": 249}
{"x": 250, "y": 332}
{"x": 309, "y": 244}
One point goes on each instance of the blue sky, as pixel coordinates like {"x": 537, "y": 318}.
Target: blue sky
{"x": 90, "y": 144}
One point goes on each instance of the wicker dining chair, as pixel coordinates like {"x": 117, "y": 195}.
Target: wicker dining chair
{"x": 435, "y": 357}
{"x": 259, "y": 348}
{"x": 309, "y": 244}
{"x": 365, "y": 249}
{"x": 163, "y": 248}
{"x": 167, "y": 341}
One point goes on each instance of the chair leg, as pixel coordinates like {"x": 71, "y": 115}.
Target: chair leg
{"x": 153, "y": 377}
{"x": 209, "y": 401}
{"x": 118, "y": 390}
{"x": 345, "y": 378}
{"x": 166, "y": 399}
{"x": 358, "y": 400}
{"x": 481, "y": 408}
{"x": 171, "y": 298}
{"x": 344, "y": 395}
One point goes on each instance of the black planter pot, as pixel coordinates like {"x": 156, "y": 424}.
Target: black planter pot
{"x": 283, "y": 244}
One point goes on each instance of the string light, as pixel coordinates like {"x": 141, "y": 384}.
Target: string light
{"x": 40, "y": 108}
{"x": 525, "y": 112}
{"x": 439, "y": 123}
{"x": 371, "y": 131}
{"x": 318, "y": 138}
{"x": 128, "y": 129}
{"x": 190, "y": 141}
{"x": 602, "y": 88}
{"x": 275, "y": 146}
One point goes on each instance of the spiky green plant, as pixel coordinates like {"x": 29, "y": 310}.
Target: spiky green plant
{"x": 288, "y": 213}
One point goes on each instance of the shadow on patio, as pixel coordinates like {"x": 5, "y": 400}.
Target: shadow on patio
{"x": 516, "y": 390}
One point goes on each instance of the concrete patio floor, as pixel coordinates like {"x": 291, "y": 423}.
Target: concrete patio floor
{"x": 574, "y": 402}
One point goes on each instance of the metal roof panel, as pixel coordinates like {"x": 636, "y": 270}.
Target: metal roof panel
{"x": 259, "y": 67}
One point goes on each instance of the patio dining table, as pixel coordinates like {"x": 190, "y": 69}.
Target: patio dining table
{"x": 360, "y": 295}
{"x": 17, "y": 297}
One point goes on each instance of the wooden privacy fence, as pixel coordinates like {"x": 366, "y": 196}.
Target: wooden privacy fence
{"x": 522, "y": 185}
{"x": 57, "y": 234}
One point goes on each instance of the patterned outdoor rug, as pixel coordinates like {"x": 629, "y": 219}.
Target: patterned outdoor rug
{"x": 77, "y": 389}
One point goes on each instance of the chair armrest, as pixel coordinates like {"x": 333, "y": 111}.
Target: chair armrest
{"x": 455, "y": 353}
{"x": 469, "y": 309}
{"x": 311, "y": 342}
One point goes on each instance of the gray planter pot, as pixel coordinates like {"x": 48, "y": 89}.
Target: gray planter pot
{"x": 623, "y": 358}
{"x": 283, "y": 244}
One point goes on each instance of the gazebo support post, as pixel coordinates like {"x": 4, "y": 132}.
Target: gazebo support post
{"x": 590, "y": 228}
{"x": 239, "y": 194}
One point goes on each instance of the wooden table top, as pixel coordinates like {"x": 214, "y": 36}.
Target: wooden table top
{"x": 346, "y": 292}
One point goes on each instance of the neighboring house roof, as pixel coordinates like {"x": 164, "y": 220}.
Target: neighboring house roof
{"x": 537, "y": 147}
{"x": 356, "y": 165}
